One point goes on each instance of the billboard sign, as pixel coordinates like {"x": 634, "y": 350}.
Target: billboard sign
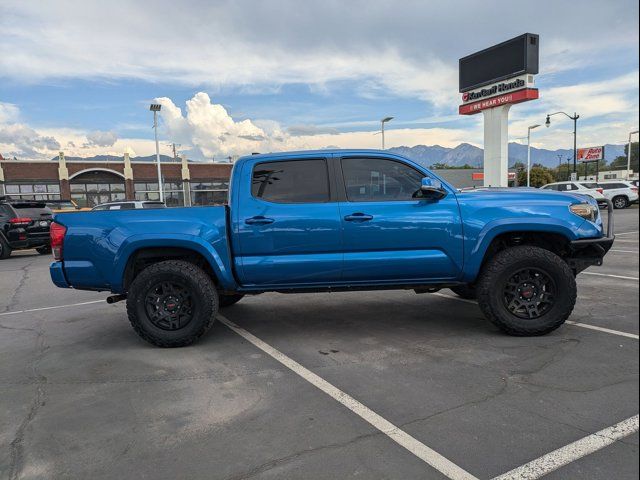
{"x": 508, "y": 59}
{"x": 590, "y": 154}
{"x": 505, "y": 99}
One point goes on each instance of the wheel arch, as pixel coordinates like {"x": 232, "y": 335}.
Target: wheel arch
{"x": 138, "y": 253}
{"x": 555, "y": 238}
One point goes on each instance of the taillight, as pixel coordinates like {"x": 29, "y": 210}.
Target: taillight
{"x": 634, "y": 189}
{"x": 600, "y": 190}
{"x": 20, "y": 221}
{"x": 56, "y": 233}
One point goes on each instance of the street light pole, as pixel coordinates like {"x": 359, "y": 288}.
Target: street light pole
{"x": 382, "y": 122}
{"x": 629, "y": 153}
{"x": 155, "y": 108}
{"x": 575, "y": 131}
{"x": 529, "y": 153}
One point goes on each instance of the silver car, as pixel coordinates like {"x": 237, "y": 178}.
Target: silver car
{"x": 591, "y": 190}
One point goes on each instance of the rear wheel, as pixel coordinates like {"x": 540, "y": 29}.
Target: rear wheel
{"x": 5, "y": 249}
{"x": 228, "y": 300}
{"x": 620, "y": 202}
{"x": 465, "y": 291}
{"x": 527, "y": 291}
{"x": 172, "y": 303}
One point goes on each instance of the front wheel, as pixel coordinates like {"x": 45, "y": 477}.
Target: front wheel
{"x": 172, "y": 303}
{"x": 620, "y": 202}
{"x": 527, "y": 291}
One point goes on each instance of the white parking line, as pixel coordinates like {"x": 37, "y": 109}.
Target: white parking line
{"x": 609, "y": 275}
{"x": 16, "y": 312}
{"x": 569, "y": 322}
{"x": 402, "y": 438}
{"x": 627, "y": 233}
{"x": 602, "y": 329}
{"x": 572, "y": 452}
{"x": 623, "y": 251}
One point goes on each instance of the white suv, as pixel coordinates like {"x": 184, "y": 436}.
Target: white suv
{"x": 592, "y": 190}
{"x": 620, "y": 192}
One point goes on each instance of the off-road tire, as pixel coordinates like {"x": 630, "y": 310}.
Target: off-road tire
{"x": 44, "y": 250}
{"x": 467, "y": 291}
{"x": 620, "y": 202}
{"x": 498, "y": 270}
{"x": 228, "y": 300}
{"x": 5, "y": 249}
{"x": 202, "y": 290}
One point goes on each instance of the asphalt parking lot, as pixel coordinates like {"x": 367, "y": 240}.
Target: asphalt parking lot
{"x": 83, "y": 397}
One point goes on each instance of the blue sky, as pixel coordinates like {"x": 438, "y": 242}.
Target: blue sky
{"x": 236, "y": 77}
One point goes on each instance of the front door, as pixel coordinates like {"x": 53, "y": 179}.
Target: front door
{"x": 391, "y": 235}
{"x": 288, "y": 225}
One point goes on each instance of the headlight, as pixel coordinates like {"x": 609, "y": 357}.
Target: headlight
{"x": 585, "y": 210}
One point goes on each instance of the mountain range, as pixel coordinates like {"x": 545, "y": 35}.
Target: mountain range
{"x": 467, "y": 154}
{"x": 463, "y": 154}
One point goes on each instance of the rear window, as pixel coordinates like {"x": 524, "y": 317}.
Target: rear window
{"x": 299, "y": 181}
{"x": 611, "y": 186}
{"x": 31, "y": 212}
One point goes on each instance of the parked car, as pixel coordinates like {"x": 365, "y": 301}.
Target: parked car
{"x": 61, "y": 206}
{"x": 584, "y": 188}
{"x": 24, "y": 224}
{"x": 335, "y": 220}
{"x": 132, "y": 205}
{"x": 621, "y": 193}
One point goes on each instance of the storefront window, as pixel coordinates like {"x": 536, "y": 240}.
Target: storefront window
{"x": 173, "y": 194}
{"x": 93, "y": 188}
{"x": 33, "y": 191}
{"x": 209, "y": 192}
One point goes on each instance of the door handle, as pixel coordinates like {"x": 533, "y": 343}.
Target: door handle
{"x": 259, "y": 220}
{"x": 358, "y": 217}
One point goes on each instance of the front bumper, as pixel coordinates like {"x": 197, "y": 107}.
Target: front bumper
{"x": 590, "y": 251}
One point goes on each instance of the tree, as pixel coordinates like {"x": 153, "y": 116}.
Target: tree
{"x": 540, "y": 175}
{"x": 620, "y": 163}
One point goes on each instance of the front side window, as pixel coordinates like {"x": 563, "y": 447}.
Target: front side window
{"x": 298, "y": 181}
{"x": 380, "y": 180}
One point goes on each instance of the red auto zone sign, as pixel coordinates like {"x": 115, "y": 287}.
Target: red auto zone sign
{"x": 590, "y": 154}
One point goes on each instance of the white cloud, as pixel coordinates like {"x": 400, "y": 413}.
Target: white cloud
{"x": 8, "y": 113}
{"x": 101, "y": 139}
{"x": 20, "y": 140}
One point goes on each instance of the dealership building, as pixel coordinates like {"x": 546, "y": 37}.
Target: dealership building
{"x": 90, "y": 183}
{"x": 186, "y": 183}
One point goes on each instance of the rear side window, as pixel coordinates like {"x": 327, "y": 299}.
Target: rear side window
{"x": 299, "y": 181}
{"x": 611, "y": 186}
{"x": 380, "y": 180}
{"x": 590, "y": 185}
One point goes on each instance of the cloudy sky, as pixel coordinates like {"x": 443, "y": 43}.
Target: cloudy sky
{"x": 241, "y": 76}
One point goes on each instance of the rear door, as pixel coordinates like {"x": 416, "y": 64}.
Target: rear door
{"x": 391, "y": 235}
{"x": 287, "y": 224}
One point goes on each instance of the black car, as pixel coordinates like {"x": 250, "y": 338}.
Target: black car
{"x": 24, "y": 224}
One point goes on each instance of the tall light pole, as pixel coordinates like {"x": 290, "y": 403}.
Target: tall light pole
{"x": 575, "y": 128}
{"x": 382, "y": 122}
{"x": 629, "y": 153}
{"x": 529, "y": 152}
{"x": 155, "y": 108}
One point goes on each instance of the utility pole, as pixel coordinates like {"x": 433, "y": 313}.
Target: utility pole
{"x": 529, "y": 153}
{"x": 629, "y": 154}
{"x": 155, "y": 108}
{"x": 382, "y": 122}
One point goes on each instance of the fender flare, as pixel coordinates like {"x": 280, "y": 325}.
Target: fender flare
{"x": 189, "y": 242}
{"x": 501, "y": 226}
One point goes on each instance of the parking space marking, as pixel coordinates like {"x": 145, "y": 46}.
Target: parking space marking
{"x": 569, "y": 322}
{"x": 602, "y": 329}
{"x": 627, "y": 233}
{"x": 572, "y": 452}
{"x": 623, "y": 251}
{"x": 610, "y": 275}
{"x": 402, "y": 438}
{"x": 16, "y": 312}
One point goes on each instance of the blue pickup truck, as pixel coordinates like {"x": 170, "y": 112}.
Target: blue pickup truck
{"x": 336, "y": 220}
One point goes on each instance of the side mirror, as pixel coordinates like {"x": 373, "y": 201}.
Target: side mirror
{"x": 432, "y": 189}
